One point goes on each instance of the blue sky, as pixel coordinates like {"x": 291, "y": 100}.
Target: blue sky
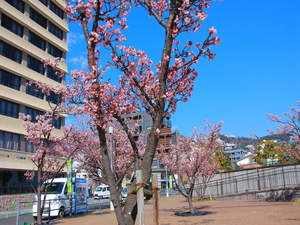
{"x": 256, "y": 71}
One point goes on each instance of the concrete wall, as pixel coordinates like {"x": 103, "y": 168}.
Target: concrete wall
{"x": 10, "y": 202}
{"x": 280, "y": 194}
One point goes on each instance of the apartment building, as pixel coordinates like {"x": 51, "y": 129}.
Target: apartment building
{"x": 30, "y": 30}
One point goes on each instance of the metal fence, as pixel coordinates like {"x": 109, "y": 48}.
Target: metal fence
{"x": 258, "y": 179}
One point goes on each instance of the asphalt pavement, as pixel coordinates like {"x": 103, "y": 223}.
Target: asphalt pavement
{"x": 25, "y": 215}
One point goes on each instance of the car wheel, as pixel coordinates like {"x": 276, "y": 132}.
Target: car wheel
{"x": 35, "y": 218}
{"x": 61, "y": 213}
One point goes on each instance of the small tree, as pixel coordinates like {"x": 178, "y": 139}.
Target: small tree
{"x": 51, "y": 151}
{"x": 194, "y": 159}
{"x": 267, "y": 152}
{"x": 291, "y": 127}
{"x": 225, "y": 161}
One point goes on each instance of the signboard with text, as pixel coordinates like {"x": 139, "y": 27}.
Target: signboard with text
{"x": 81, "y": 195}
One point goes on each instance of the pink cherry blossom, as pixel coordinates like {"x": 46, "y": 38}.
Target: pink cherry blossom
{"x": 193, "y": 159}
{"x": 290, "y": 127}
{"x": 212, "y": 31}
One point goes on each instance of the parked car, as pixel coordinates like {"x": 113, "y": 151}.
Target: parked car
{"x": 102, "y": 191}
{"x": 123, "y": 195}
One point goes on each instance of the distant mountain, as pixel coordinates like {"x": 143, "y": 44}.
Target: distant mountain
{"x": 277, "y": 137}
{"x": 242, "y": 142}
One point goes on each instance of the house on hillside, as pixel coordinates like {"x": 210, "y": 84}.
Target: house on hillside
{"x": 235, "y": 153}
{"x": 246, "y": 162}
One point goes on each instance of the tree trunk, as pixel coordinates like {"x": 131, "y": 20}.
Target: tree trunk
{"x": 203, "y": 191}
{"x": 131, "y": 207}
{"x": 113, "y": 185}
{"x": 130, "y": 210}
{"x": 191, "y": 206}
{"x": 190, "y": 198}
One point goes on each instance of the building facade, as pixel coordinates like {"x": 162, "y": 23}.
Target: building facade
{"x": 30, "y": 30}
{"x": 166, "y": 138}
{"x": 235, "y": 154}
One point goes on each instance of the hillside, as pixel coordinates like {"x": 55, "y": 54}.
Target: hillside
{"x": 242, "y": 142}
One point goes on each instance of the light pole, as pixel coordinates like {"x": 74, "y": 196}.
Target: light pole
{"x": 167, "y": 186}
{"x": 110, "y": 131}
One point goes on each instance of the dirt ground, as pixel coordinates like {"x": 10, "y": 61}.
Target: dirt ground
{"x": 218, "y": 213}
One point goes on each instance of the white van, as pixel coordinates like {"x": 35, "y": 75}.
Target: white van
{"x": 59, "y": 199}
{"x": 102, "y": 191}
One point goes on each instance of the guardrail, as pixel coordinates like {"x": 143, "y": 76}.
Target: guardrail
{"x": 93, "y": 205}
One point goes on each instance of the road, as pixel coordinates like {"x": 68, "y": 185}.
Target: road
{"x": 26, "y": 216}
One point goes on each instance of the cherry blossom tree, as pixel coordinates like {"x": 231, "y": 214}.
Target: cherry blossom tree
{"x": 90, "y": 159}
{"x": 193, "y": 159}
{"x": 291, "y": 127}
{"x": 51, "y": 151}
{"x": 156, "y": 87}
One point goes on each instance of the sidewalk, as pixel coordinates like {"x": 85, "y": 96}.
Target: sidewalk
{"x": 221, "y": 213}
{"x": 13, "y": 213}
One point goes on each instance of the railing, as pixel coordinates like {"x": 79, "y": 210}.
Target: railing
{"x": 93, "y": 205}
{"x": 252, "y": 180}
{"x": 17, "y": 211}
{"x": 69, "y": 208}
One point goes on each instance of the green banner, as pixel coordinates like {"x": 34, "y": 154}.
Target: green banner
{"x": 170, "y": 181}
{"x": 70, "y": 169}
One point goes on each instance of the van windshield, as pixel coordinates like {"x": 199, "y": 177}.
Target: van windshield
{"x": 99, "y": 189}
{"x": 54, "y": 188}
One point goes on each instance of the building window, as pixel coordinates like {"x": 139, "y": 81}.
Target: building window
{"x": 9, "y": 141}
{"x": 34, "y": 91}
{"x": 37, "y": 41}
{"x": 54, "y": 51}
{"x": 12, "y": 25}
{"x": 57, "y": 123}
{"x": 33, "y": 113}
{"x": 29, "y": 147}
{"x": 138, "y": 130}
{"x": 56, "y": 31}
{"x": 38, "y": 18}
{"x": 10, "y": 80}
{"x": 58, "y": 11}
{"x": 137, "y": 118}
{"x": 155, "y": 163}
{"x": 10, "y": 52}
{"x": 52, "y": 75}
{"x": 18, "y": 4}
{"x": 54, "y": 98}
{"x": 35, "y": 65}
{"x": 8, "y": 108}
{"x": 45, "y": 2}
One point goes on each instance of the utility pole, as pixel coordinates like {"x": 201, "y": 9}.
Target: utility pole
{"x": 110, "y": 131}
